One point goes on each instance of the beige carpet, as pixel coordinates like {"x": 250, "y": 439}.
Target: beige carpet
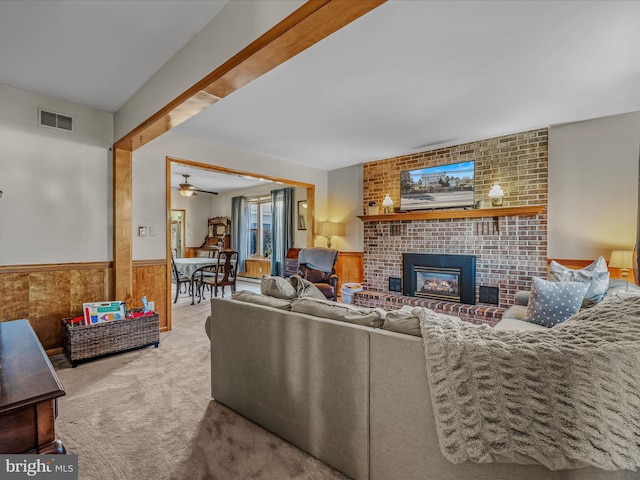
{"x": 148, "y": 414}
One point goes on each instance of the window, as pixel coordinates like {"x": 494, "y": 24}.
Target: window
{"x": 260, "y": 226}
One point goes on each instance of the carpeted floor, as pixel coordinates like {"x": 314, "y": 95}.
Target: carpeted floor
{"x": 148, "y": 414}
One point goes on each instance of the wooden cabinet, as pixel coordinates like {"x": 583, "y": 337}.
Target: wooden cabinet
{"x": 30, "y": 389}
{"x": 219, "y": 232}
{"x": 256, "y": 267}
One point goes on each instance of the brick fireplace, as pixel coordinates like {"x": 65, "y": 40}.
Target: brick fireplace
{"x": 508, "y": 250}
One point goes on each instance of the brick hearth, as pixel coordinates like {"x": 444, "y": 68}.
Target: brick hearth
{"x": 508, "y": 250}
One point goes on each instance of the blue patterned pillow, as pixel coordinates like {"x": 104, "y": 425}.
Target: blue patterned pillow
{"x": 596, "y": 274}
{"x": 552, "y": 303}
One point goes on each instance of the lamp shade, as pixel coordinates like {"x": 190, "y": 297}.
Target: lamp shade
{"x": 330, "y": 229}
{"x": 186, "y": 193}
{"x": 621, "y": 259}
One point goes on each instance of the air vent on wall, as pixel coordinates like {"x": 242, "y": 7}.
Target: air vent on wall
{"x": 55, "y": 120}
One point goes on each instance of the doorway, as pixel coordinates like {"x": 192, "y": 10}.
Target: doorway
{"x": 307, "y": 234}
{"x": 178, "y": 233}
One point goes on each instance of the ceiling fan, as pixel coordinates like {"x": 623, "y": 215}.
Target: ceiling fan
{"x": 186, "y": 189}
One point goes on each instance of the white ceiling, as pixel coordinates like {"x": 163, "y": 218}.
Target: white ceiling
{"x": 409, "y": 76}
{"x": 211, "y": 181}
{"x": 94, "y": 52}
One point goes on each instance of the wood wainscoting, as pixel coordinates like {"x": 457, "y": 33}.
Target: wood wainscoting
{"x": 349, "y": 268}
{"x": 45, "y": 294}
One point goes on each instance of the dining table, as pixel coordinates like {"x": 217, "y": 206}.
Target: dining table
{"x": 188, "y": 266}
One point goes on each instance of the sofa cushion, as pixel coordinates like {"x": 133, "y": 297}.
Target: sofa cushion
{"x": 368, "y": 317}
{"x": 552, "y": 303}
{"x": 514, "y": 324}
{"x": 596, "y": 274}
{"x": 405, "y": 321}
{"x": 516, "y": 312}
{"x": 402, "y": 321}
{"x": 253, "y": 297}
{"x": 277, "y": 287}
{"x": 304, "y": 288}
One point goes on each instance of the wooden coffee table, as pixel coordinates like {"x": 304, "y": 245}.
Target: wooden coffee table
{"x": 29, "y": 389}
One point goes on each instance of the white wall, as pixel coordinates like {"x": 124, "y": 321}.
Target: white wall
{"x": 57, "y": 200}
{"x": 149, "y": 181}
{"x": 344, "y": 201}
{"x": 593, "y": 186}
{"x": 236, "y": 26}
{"x": 197, "y": 212}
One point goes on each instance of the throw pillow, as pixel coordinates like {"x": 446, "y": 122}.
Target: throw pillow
{"x": 596, "y": 274}
{"x": 368, "y": 317}
{"x": 552, "y": 303}
{"x": 304, "y": 288}
{"x": 248, "y": 296}
{"x": 278, "y": 287}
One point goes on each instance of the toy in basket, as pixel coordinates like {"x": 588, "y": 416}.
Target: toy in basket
{"x": 109, "y": 335}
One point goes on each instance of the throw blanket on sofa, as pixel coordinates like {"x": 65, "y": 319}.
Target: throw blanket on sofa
{"x": 566, "y": 398}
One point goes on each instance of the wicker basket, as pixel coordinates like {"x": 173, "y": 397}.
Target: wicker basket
{"x": 92, "y": 341}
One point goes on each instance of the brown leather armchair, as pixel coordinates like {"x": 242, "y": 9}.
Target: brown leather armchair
{"x": 327, "y": 282}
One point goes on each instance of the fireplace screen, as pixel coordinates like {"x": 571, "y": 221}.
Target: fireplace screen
{"x": 441, "y": 283}
{"x": 450, "y": 278}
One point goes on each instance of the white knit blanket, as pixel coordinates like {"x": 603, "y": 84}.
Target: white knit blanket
{"x": 565, "y": 398}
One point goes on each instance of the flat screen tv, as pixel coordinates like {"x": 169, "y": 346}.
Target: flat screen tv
{"x": 443, "y": 186}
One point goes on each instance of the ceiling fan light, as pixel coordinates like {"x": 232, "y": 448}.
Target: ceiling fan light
{"x": 186, "y": 193}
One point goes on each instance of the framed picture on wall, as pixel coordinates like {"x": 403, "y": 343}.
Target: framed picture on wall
{"x": 302, "y": 215}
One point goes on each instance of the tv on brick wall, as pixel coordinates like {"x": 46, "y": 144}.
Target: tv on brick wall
{"x": 442, "y": 186}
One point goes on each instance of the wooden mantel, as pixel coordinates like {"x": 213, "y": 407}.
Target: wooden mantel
{"x": 527, "y": 210}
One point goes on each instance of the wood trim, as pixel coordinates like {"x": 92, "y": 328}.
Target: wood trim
{"x": 231, "y": 171}
{"x": 149, "y": 263}
{"x": 169, "y": 299}
{"x": 311, "y": 207}
{"x": 438, "y": 214}
{"x": 54, "y": 267}
{"x": 314, "y": 21}
{"x": 122, "y": 225}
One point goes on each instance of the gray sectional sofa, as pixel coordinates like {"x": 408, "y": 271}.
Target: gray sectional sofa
{"x": 355, "y": 396}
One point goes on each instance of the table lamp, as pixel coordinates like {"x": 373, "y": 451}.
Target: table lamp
{"x": 622, "y": 259}
{"x": 331, "y": 229}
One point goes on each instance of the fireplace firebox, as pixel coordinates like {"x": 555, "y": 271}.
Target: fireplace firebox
{"x": 450, "y": 278}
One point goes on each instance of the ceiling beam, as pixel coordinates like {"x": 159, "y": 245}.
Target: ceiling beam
{"x": 314, "y": 21}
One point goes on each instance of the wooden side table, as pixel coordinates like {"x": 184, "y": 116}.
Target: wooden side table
{"x": 29, "y": 389}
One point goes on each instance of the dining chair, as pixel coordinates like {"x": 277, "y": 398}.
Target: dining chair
{"x": 221, "y": 274}
{"x": 179, "y": 279}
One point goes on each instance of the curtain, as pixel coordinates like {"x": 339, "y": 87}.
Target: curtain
{"x": 282, "y": 228}
{"x": 240, "y": 230}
